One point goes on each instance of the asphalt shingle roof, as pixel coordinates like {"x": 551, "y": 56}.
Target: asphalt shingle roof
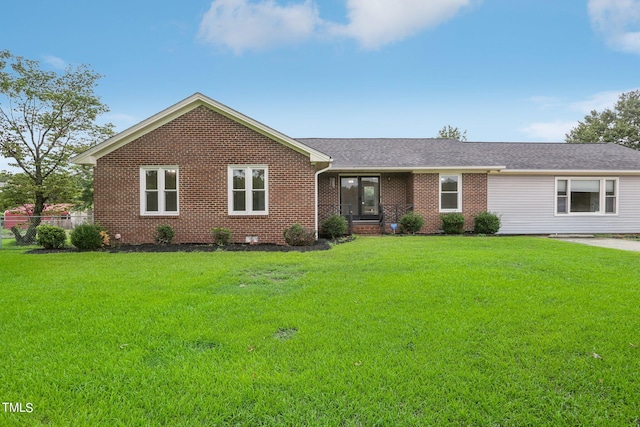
{"x": 428, "y": 153}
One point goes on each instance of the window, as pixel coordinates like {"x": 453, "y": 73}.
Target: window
{"x": 586, "y": 196}
{"x": 159, "y": 190}
{"x": 248, "y": 190}
{"x": 450, "y": 193}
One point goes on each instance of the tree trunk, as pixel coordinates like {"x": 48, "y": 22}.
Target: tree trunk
{"x": 29, "y": 237}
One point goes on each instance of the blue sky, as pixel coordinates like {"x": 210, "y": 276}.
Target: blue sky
{"x": 504, "y": 70}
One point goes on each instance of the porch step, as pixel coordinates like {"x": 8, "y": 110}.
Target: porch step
{"x": 366, "y": 229}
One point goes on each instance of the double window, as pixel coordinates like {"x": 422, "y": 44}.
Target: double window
{"x": 586, "y": 196}
{"x": 248, "y": 190}
{"x": 159, "y": 190}
{"x": 450, "y": 193}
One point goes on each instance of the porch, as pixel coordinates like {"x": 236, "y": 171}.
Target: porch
{"x": 381, "y": 224}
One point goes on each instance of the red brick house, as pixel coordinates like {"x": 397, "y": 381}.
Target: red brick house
{"x": 199, "y": 164}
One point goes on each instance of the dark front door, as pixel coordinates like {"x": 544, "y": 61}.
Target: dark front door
{"x": 363, "y": 194}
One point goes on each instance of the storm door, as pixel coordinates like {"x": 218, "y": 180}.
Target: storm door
{"x": 363, "y": 194}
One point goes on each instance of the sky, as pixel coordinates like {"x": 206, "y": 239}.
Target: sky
{"x": 503, "y": 70}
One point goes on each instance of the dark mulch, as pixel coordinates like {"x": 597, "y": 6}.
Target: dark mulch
{"x": 320, "y": 245}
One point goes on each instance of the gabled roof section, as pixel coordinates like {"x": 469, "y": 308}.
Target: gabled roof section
{"x": 90, "y": 156}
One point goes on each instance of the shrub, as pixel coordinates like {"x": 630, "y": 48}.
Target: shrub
{"x": 221, "y": 236}
{"x": 164, "y": 234}
{"x": 452, "y": 223}
{"x": 486, "y": 223}
{"x": 297, "y": 235}
{"x": 88, "y": 237}
{"x": 334, "y": 226}
{"x": 411, "y": 222}
{"x": 50, "y": 236}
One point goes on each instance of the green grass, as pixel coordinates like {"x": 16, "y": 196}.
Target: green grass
{"x": 380, "y": 331}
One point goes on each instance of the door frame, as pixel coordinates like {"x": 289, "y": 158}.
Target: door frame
{"x": 357, "y": 211}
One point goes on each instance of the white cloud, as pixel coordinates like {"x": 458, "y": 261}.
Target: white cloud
{"x": 240, "y": 25}
{"x": 375, "y": 23}
{"x": 618, "y": 21}
{"x": 55, "y": 62}
{"x": 549, "y": 131}
{"x": 598, "y": 101}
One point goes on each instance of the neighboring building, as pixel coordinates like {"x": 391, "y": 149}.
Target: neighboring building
{"x": 199, "y": 165}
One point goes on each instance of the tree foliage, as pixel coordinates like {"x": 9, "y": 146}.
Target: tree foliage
{"x": 620, "y": 125}
{"x": 45, "y": 119}
{"x": 449, "y": 132}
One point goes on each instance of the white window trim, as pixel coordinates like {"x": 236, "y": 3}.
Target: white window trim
{"x": 603, "y": 196}
{"x": 161, "y": 201}
{"x": 459, "y": 209}
{"x": 248, "y": 190}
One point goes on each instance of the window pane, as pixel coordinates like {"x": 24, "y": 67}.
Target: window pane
{"x": 449, "y": 201}
{"x": 238, "y": 179}
{"x": 611, "y": 205}
{"x": 585, "y": 202}
{"x": 170, "y": 181}
{"x": 585, "y": 186}
{"x": 449, "y": 183}
{"x": 152, "y": 201}
{"x": 151, "y": 180}
{"x": 239, "y": 201}
{"x": 171, "y": 201}
{"x": 258, "y": 201}
{"x": 258, "y": 179}
{"x": 562, "y": 187}
{"x": 611, "y": 187}
{"x": 562, "y": 204}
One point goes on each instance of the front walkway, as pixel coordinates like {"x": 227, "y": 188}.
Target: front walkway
{"x": 622, "y": 244}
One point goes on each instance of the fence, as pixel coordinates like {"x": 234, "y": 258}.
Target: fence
{"x": 21, "y": 222}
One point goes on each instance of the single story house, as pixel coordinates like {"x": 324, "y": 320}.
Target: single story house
{"x": 200, "y": 164}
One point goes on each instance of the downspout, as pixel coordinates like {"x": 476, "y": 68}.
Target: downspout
{"x": 316, "y": 196}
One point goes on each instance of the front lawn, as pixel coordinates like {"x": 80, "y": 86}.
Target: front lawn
{"x": 380, "y": 331}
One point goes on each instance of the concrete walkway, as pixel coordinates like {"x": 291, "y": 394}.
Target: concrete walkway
{"x": 603, "y": 242}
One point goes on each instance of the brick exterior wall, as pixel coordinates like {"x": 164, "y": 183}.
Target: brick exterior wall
{"x": 203, "y": 143}
{"x": 426, "y": 195}
{"x": 420, "y": 190}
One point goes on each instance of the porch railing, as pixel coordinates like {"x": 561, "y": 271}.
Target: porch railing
{"x": 346, "y": 210}
{"x": 391, "y": 214}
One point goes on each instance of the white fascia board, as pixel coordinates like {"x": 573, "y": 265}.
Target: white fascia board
{"x": 568, "y": 172}
{"x": 426, "y": 169}
{"x": 90, "y": 156}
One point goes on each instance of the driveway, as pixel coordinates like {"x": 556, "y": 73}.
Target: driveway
{"x": 622, "y": 244}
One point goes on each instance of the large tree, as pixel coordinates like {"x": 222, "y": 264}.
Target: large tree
{"x": 45, "y": 118}
{"x": 449, "y": 132}
{"x": 620, "y": 125}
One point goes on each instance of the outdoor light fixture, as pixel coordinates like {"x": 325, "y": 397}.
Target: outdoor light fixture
{"x": 332, "y": 181}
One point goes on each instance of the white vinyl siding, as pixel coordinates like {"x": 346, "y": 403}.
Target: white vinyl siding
{"x": 527, "y": 205}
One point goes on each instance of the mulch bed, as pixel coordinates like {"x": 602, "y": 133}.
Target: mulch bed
{"x": 320, "y": 245}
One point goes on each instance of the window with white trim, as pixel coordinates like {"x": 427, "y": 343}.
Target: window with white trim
{"x": 586, "y": 195}
{"x": 450, "y": 193}
{"x": 159, "y": 190}
{"x": 248, "y": 190}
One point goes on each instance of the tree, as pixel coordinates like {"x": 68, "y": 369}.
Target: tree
{"x": 448, "y": 132}
{"x": 619, "y": 126}
{"x": 45, "y": 119}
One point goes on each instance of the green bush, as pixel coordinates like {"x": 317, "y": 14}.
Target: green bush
{"x": 334, "y": 226}
{"x": 89, "y": 237}
{"x": 164, "y": 234}
{"x": 452, "y": 223}
{"x": 411, "y": 222}
{"x": 297, "y": 235}
{"x": 221, "y": 236}
{"x": 50, "y": 236}
{"x": 486, "y": 223}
